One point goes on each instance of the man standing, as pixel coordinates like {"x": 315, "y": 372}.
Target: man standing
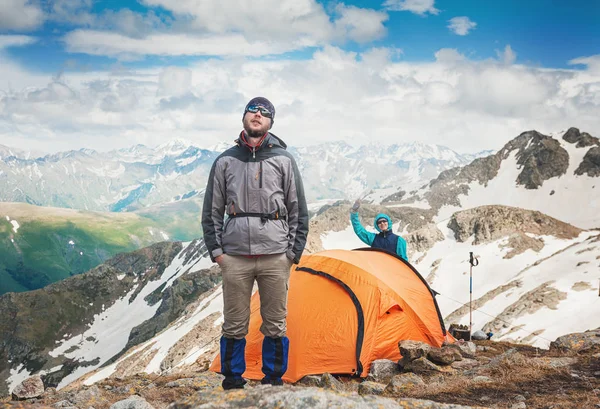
{"x": 385, "y": 239}
{"x": 258, "y": 186}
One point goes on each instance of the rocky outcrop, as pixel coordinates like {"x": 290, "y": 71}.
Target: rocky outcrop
{"x": 460, "y": 312}
{"x": 542, "y": 296}
{"x": 590, "y": 165}
{"x": 579, "y": 342}
{"x": 520, "y": 242}
{"x": 489, "y": 223}
{"x": 423, "y": 239}
{"x": 580, "y": 139}
{"x": 539, "y": 157}
{"x": 30, "y": 388}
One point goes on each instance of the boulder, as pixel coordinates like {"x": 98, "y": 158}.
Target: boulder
{"x": 30, "y": 388}
{"x": 444, "y": 355}
{"x": 133, "y": 402}
{"x": 382, "y": 370}
{"x": 578, "y": 342}
{"x": 402, "y": 382}
{"x": 465, "y": 364}
{"x": 328, "y": 381}
{"x": 411, "y": 350}
{"x": 371, "y": 388}
{"x": 467, "y": 349}
{"x": 310, "y": 380}
{"x": 422, "y": 366}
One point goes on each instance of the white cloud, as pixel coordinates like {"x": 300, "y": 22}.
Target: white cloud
{"x": 371, "y": 97}
{"x": 20, "y": 15}
{"x": 15, "y": 41}
{"x": 449, "y": 55}
{"x": 273, "y": 28}
{"x": 461, "y": 25}
{"x": 282, "y": 19}
{"x": 360, "y": 25}
{"x": 415, "y": 6}
{"x": 508, "y": 56}
{"x": 174, "y": 82}
{"x": 124, "y": 47}
{"x": 592, "y": 62}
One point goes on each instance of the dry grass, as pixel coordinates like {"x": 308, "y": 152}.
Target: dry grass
{"x": 539, "y": 381}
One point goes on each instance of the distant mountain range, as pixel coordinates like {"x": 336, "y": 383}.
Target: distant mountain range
{"x": 138, "y": 177}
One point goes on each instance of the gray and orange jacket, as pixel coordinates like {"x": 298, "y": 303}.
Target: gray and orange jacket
{"x": 261, "y": 193}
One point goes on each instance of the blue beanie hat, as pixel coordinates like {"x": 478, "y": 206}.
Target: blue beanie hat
{"x": 261, "y": 101}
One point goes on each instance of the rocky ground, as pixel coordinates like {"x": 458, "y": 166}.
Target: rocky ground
{"x": 464, "y": 375}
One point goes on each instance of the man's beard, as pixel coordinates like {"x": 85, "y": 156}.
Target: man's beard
{"x": 255, "y": 134}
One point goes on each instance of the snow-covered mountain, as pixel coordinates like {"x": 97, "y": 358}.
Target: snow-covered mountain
{"x": 556, "y": 175}
{"x": 140, "y": 176}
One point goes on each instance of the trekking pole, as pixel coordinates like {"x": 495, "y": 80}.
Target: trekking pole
{"x": 474, "y": 262}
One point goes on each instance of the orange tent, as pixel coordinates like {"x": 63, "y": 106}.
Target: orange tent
{"x": 347, "y": 308}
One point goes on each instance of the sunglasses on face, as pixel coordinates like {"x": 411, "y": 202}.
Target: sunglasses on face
{"x": 381, "y": 221}
{"x": 263, "y": 111}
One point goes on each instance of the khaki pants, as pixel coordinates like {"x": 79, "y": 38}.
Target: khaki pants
{"x": 272, "y": 273}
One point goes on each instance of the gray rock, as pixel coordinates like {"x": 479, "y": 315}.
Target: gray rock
{"x": 328, "y": 381}
{"x": 128, "y": 389}
{"x": 520, "y": 398}
{"x": 64, "y": 404}
{"x": 578, "y": 342}
{"x": 371, "y": 388}
{"x": 444, "y": 355}
{"x": 310, "y": 380}
{"x": 88, "y": 397}
{"x": 411, "y": 350}
{"x": 519, "y": 405}
{"x": 482, "y": 379}
{"x": 402, "y": 382}
{"x": 382, "y": 370}
{"x": 30, "y": 388}
{"x": 133, "y": 402}
{"x": 509, "y": 357}
{"x": 467, "y": 349}
{"x": 422, "y": 366}
{"x": 207, "y": 380}
{"x": 465, "y": 364}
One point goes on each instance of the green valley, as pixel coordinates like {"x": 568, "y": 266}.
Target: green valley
{"x": 42, "y": 245}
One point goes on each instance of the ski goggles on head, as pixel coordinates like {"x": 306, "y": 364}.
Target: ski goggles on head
{"x": 259, "y": 108}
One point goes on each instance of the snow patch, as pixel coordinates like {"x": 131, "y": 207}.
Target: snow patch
{"x": 15, "y": 225}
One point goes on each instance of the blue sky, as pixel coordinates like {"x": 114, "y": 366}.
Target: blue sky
{"x": 466, "y": 62}
{"x": 546, "y": 36}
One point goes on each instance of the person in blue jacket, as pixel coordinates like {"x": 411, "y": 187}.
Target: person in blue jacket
{"x": 385, "y": 239}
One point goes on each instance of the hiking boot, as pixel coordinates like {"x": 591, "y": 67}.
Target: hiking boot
{"x": 233, "y": 383}
{"x": 269, "y": 381}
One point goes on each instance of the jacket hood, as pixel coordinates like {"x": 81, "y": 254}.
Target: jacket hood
{"x": 384, "y": 216}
